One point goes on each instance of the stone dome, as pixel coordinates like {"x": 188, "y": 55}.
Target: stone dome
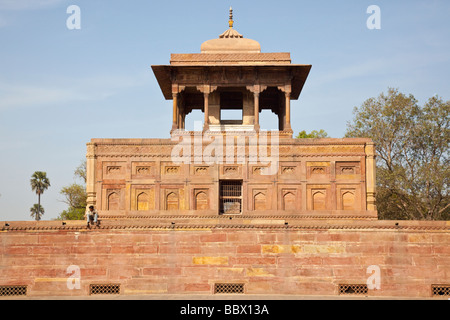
{"x": 230, "y": 45}
{"x": 231, "y": 41}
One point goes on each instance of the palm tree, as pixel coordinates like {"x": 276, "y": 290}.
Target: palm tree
{"x": 39, "y": 183}
{"x": 37, "y": 211}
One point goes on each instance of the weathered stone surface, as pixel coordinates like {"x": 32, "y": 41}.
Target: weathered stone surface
{"x": 267, "y": 259}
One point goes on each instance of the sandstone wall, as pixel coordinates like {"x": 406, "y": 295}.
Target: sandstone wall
{"x": 305, "y": 259}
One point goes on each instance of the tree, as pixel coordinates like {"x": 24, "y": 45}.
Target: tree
{"x": 36, "y": 212}
{"x": 80, "y": 171}
{"x": 412, "y": 144}
{"x": 313, "y": 135}
{"x": 39, "y": 183}
{"x": 75, "y": 196}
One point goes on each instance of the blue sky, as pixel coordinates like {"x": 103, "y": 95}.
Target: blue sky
{"x": 59, "y": 88}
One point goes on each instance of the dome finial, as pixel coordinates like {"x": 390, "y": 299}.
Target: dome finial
{"x": 231, "y": 22}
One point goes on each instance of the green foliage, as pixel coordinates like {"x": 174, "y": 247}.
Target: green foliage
{"x": 312, "y": 135}
{"x": 412, "y": 144}
{"x": 72, "y": 214}
{"x": 75, "y": 197}
{"x": 39, "y": 183}
{"x": 80, "y": 171}
{"x": 37, "y": 212}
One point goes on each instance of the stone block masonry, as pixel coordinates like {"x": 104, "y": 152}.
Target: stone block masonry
{"x": 312, "y": 257}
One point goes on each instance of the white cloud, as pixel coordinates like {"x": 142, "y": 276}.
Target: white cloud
{"x": 27, "y": 4}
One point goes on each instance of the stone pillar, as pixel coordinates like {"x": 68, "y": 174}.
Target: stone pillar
{"x": 287, "y": 125}
{"x": 370, "y": 177}
{"x": 175, "y": 111}
{"x": 256, "y": 99}
{"x": 206, "y": 90}
{"x": 91, "y": 165}
{"x": 256, "y": 90}
{"x": 287, "y": 107}
{"x": 206, "y": 107}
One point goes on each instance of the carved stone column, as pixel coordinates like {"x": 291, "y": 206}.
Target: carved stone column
{"x": 206, "y": 90}
{"x": 256, "y": 99}
{"x": 256, "y": 90}
{"x": 177, "y": 122}
{"x": 206, "y": 107}
{"x": 370, "y": 177}
{"x": 175, "y": 111}
{"x": 287, "y": 93}
{"x": 288, "y": 111}
{"x": 91, "y": 164}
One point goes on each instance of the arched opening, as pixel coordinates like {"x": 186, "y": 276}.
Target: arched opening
{"x": 201, "y": 201}
{"x": 194, "y": 120}
{"x": 268, "y": 120}
{"x": 289, "y": 202}
{"x": 113, "y": 201}
{"x": 143, "y": 202}
{"x": 172, "y": 201}
{"x": 319, "y": 201}
{"x": 348, "y": 201}
{"x": 259, "y": 202}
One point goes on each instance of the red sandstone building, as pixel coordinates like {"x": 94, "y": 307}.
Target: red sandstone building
{"x": 229, "y": 208}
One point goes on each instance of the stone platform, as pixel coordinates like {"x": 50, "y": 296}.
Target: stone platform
{"x": 188, "y": 256}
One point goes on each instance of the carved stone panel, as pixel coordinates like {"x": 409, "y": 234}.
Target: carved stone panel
{"x": 114, "y": 170}
{"x": 169, "y": 169}
{"x": 348, "y": 170}
{"x": 229, "y": 170}
{"x": 143, "y": 169}
{"x": 318, "y": 170}
{"x": 260, "y": 171}
{"x": 201, "y": 170}
{"x": 172, "y": 170}
{"x": 288, "y": 170}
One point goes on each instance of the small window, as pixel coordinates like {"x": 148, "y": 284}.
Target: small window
{"x": 228, "y": 288}
{"x": 95, "y": 289}
{"x": 8, "y": 291}
{"x": 356, "y": 289}
{"x": 230, "y": 197}
{"x": 441, "y": 290}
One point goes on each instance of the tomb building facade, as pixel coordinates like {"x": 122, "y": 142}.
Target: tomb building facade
{"x": 232, "y": 166}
